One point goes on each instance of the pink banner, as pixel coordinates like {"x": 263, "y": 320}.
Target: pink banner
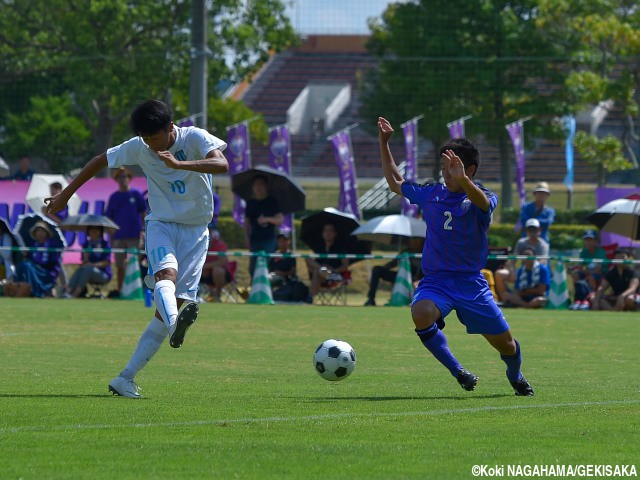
{"x": 14, "y": 192}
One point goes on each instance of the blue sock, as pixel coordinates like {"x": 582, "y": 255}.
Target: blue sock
{"x": 436, "y": 343}
{"x": 513, "y": 364}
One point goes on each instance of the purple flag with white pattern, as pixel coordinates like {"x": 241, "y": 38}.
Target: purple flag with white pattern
{"x": 410, "y": 130}
{"x": 280, "y": 159}
{"x": 239, "y": 158}
{"x": 456, "y": 129}
{"x": 348, "y": 200}
{"x": 516, "y": 132}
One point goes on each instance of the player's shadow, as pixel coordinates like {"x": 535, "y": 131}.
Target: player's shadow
{"x": 387, "y": 398}
{"x": 53, "y": 395}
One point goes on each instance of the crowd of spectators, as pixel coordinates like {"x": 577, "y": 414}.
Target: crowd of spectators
{"x": 596, "y": 284}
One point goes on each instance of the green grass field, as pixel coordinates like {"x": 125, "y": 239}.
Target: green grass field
{"x": 240, "y": 399}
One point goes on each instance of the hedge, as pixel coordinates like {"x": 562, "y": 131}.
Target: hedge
{"x": 563, "y": 237}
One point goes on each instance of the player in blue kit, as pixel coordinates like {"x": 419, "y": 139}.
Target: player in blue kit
{"x": 457, "y": 215}
{"x": 179, "y": 163}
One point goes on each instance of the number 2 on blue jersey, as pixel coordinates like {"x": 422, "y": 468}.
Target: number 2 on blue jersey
{"x": 448, "y": 221}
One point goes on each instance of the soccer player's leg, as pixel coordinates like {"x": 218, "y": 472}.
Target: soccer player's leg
{"x": 161, "y": 252}
{"x": 477, "y": 310}
{"x": 149, "y": 343}
{"x": 430, "y": 304}
{"x": 192, "y": 253}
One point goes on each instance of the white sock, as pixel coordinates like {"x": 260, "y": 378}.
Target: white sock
{"x": 149, "y": 343}
{"x": 165, "y": 297}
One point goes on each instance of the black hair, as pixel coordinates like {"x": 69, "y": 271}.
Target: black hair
{"x": 57, "y": 185}
{"x": 149, "y": 117}
{"x": 528, "y": 249}
{"x": 464, "y": 149}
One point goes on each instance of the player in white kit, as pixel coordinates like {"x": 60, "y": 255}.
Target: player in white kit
{"x": 179, "y": 163}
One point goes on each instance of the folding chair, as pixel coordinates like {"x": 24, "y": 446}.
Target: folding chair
{"x": 232, "y": 292}
{"x": 333, "y": 291}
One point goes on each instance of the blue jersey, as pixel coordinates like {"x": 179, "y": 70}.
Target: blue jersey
{"x": 456, "y": 239}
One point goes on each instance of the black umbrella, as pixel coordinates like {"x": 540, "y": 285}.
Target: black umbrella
{"x": 81, "y": 222}
{"x": 289, "y": 194}
{"x": 24, "y": 225}
{"x": 621, "y": 216}
{"x": 345, "y": 223}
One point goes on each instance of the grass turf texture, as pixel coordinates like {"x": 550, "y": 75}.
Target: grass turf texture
{"x": 240, "y": 399}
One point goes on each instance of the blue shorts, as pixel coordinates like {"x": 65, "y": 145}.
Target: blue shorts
{"x": 469, "y": 295}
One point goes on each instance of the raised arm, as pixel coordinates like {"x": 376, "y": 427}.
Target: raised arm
{"x": 456, "y": 169}
{"x": 58, "y": 202}
{"x": 389, "y": 167}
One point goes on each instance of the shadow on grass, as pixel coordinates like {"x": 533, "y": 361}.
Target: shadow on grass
{"x": 396, "y": 398}
{"x": 53, "y": 395}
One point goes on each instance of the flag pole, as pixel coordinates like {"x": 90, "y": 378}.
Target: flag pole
{"x": 461, "y": 119}
{"x": 346, "y": 129}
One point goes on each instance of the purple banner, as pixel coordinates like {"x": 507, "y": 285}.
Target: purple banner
{"x": 410, "y": 130}
{"x": 186, "y": 122}
{"x": 605, "y": 195}
{"x": 348, "y": 200}
{"x": 239, "y": 157}
{"x": 516, "y": 132}
{"x": 456, "y": 129}
{"x": 280, "y": 159}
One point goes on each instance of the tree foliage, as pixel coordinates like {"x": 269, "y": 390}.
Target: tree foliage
{"x": 108, "y": 55}
{"x": 448, "y": 59}
{"x": 601, "y": 40}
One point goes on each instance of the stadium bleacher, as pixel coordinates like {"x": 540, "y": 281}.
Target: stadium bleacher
{"x": 344, "y": 58}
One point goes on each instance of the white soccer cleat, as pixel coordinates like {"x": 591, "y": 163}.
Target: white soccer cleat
{"x": 124, "y": 387}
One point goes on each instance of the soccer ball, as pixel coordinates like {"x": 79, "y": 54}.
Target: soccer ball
{"x": 334, "y": 360}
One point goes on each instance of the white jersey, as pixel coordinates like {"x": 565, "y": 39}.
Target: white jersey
{"x": 179, "y": 196}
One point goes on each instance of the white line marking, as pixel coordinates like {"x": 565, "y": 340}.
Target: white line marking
{"x": 306, "y": 418}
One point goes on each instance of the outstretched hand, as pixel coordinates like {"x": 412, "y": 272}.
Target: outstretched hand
{"x": 55, "y": 204}
{"x": 385, "y": 130}
{"x": 454, "y": 165}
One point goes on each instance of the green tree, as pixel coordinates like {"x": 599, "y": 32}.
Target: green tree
{"x": 601, "y": 40}
{"x": 111, "y": 54}
{"x": 448, "y": 59}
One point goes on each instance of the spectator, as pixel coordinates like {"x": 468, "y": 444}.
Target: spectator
{"x": 582, "y": 289}
{"x": 216, "y": 209}
{"x": 126, "y": 208}
{"x": 388, "y": 271}
{"x": 282, "y": 269}
{"x": 532, "y": 241}
{"x": 262, "y": 215}
{"x": 591, "y": 251}
{"x": 532, "y": 284}
{"x": 215, "y": 271}
{"x": 623, "y": 281}
{"x": 24, "y": 169}
{"x": 327, "y": 269}
{"x": 539, "y": 210}
{"x": 96, "y": 266}
{"x": 55, "y": 188}
{"x": 40, "y": 269}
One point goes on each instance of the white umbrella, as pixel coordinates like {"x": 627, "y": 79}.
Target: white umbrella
{"x": 39, "y": 189}
{"x": 4, "y": 167}
{"x": 391, "y": 229}
{"x": 621, "y": 216}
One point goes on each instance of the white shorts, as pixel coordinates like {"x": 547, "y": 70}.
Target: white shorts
{"x": 181, "y": 247}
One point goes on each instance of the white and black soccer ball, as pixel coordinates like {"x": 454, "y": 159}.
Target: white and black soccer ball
{"x": 334, "y": 360}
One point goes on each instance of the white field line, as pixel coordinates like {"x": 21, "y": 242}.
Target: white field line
{"x": 310, "y": 418}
